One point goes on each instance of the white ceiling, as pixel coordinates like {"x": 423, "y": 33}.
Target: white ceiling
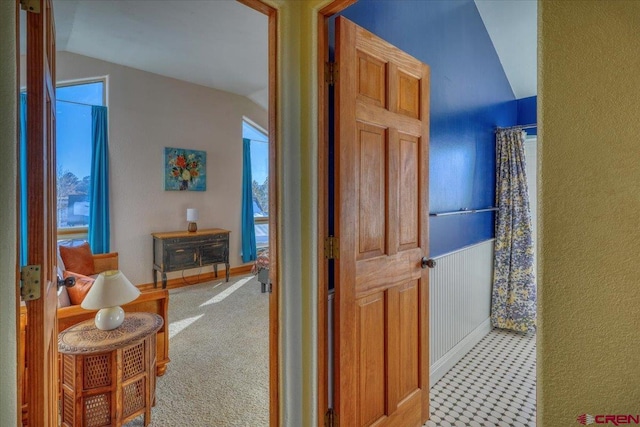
{"x": 512, "y": 26}
{"x": 223, "y": 44}
{"x": 219, "y": 44}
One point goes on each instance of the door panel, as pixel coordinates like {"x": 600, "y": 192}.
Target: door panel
{"x": 409, "y": 353}
{"x": 381, "y": 212}
{"x": 370, "y": 165}
{"x": 41, "y": 347}
{"x": 408, "y": 230}
{"x": 372, "y": 83}
{"x": 371, "y": 392}
{"x": 408, "y": 95}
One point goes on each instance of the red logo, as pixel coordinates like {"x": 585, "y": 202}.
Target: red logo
{"x": 585, "y": 419}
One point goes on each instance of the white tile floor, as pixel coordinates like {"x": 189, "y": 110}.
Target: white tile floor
{"x": 493, "y": 385}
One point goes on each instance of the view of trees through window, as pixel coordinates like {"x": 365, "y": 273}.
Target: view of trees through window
{"x": 260, "y": 181}
{"x": 73, "y": 150}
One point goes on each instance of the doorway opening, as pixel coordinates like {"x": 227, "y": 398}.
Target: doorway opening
{"x": 271, "y": 383}
{"x": 326, "y": 340}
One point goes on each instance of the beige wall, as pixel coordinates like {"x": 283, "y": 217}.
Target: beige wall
{"x": 8, "y": 121}
{"x": 589, "y": 109}
{"x": 148, "y": 112}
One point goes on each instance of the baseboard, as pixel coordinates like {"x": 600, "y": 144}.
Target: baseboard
{"x": 198, "y": 278}
{"x": 453, "y": 356}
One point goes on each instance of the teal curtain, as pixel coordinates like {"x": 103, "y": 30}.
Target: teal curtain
{"x": 513, "y": 303}
{"x": 99, "y": 229}
{"x": 23, "y": 180}
{"x": 248, "y": 229}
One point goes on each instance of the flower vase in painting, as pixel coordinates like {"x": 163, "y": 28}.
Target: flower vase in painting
{"x": 185, "y": 170}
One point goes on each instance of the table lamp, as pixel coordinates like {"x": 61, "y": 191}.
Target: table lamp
{"x": 110, "y": 290}
{"x": 192, "y": 217}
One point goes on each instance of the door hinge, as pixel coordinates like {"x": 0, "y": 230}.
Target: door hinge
{"x": 30, "y": 278}
{"x": 331, "y": 418}
{"x": 30, "y": 5}
{"x": 331, "y": 247}
{"x": 330, "y": 73}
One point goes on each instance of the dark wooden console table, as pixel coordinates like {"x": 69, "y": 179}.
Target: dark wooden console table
{"x": 179, "y": 250}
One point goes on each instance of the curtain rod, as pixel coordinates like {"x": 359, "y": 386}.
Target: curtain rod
{"x": 463, "y": 211}
{"x": 22, "y": 92}
{"x": 522, "y": 127}
{"x": 79, "y": 103}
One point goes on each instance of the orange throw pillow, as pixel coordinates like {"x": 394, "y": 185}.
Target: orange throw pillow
{"x": 78, "y": 259}
{"x": 80, "y": 289}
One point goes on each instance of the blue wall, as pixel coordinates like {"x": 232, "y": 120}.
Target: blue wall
{"x": 470, "y": 96}
{"x": 528, "y": 113}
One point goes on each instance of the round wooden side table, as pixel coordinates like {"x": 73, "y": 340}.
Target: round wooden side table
{"x": 108, "y": 377}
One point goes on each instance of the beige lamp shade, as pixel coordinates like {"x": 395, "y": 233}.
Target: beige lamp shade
{"x": 110, "y": 290}
{"x": 192, "y": 215}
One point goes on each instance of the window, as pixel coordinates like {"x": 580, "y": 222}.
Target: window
{"x": 73, "y": 151}
{"x": 260, "y": 177}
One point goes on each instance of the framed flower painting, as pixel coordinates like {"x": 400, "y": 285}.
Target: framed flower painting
{"x": 185, "y": 170}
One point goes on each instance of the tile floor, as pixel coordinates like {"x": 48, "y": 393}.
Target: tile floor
{"x": 493, "y": 385}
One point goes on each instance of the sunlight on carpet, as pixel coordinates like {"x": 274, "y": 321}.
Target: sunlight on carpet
{"x": 231, "y": 289}
{"x": 219, "y": 351}
{"x": 177, "y": 327}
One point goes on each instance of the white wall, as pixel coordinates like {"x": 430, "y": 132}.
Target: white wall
{"x": 459, "y": 305}
{"x": 148, "y": 112}
{"x": 8, "y": 125}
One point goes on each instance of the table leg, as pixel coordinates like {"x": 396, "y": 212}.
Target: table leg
{"x": 227, "y": 265}
{"x": 215, "y": 269}
{"x": 155, "y": 278}
{"x": 164, "y": 280}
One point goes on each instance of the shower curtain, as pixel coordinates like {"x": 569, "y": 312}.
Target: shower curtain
{"x": 513, "y": 302}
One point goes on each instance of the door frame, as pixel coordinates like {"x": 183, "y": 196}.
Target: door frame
{"x": 18, "y": 203}
{"x": 274, "y": 296}
{"x": 323, "y": 355}
{"x": 274, "y": 306}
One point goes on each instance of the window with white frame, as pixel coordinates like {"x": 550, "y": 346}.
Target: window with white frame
{"x": 260, "y": 178}
{"x": 73, "y": 152}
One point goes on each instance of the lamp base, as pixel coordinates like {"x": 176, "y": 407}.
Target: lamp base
{"x": 193, "y": 227}
{"x": 109, "y": 318}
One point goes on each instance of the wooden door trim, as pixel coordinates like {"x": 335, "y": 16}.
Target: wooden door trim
{"x": 323, "y": 16}
{"x": 41, "y": 342}
{"x": 19, "y": 358}
{"x": 274, "y": 296}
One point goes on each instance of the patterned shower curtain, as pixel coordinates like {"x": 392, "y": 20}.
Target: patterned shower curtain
{"x": 513, "y": 302}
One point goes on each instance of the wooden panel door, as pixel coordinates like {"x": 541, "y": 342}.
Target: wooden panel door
{"x": 381, "y": 316}
{"x": 41, "y": 337}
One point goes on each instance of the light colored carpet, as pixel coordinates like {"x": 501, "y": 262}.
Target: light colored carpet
{"x": 219, "y": 350}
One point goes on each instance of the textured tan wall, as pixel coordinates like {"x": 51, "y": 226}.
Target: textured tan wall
{"x": 8, "y": 121}
{"x": 589, "y": 106}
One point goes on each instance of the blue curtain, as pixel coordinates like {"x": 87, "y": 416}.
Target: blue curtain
{"x": 248, "y": 229}
{"x": 99, "y": 230}
{"x": 513, "y": 302}
{"x": 23, "y": 179}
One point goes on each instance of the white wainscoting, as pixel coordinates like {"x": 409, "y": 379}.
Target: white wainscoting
{"x": 459, "y": 305}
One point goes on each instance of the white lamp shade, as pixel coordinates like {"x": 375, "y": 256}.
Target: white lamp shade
{"x": 192, "y": 215}
{"x": 110, "y": 289}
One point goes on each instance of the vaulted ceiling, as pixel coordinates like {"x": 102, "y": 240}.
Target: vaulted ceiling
{"x": 512, "y": 26}
{"x": 219, "y": 44}
{"x": 223, "y": 44}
